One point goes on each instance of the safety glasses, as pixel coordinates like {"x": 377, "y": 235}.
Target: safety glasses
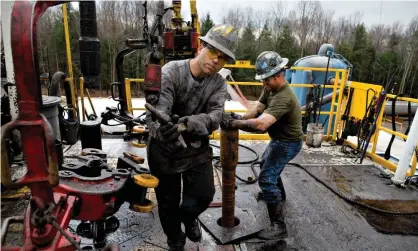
{"x": 214, "y": 53}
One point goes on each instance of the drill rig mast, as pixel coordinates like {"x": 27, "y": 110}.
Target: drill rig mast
{"x": 181, "y": 39}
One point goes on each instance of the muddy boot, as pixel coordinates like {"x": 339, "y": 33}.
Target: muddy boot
{"x": 177, "y": 243}
{"x": 193, "y": 231}
{"x": 276, "y": 245}
{"x": 277, "y": 229}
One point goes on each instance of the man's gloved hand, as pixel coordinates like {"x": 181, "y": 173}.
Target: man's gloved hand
{"x": 194, "y": 125}
{"x": 228, "y": 120}
{"x": 236, "y": 116}
{"x": 168, "y": 132}
{"x": 171, "y": 147}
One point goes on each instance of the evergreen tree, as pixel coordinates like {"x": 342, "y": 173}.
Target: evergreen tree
{"x": 363, "y": 55}
{"x": 246, "y": 44}
{"x": 286, "y": 45}
{"x": 246, "y": 51}
{"x": 206, "y": 24}
{"x": 265, "y": 40}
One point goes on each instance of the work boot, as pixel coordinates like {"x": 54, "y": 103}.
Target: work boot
{"x": 193, "y": 231}
{"x": 177, "y": 243}
{"x": 277, "y": 229}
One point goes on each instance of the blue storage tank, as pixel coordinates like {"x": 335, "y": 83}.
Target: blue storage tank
{"x": 316, "y": 61}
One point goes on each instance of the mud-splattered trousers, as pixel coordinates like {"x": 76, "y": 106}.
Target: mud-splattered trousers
{"x": 275, "y": 158}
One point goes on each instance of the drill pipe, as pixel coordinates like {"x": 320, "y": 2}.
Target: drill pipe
{"x": 229, "y": 161}
{"x": 89, "y": 44}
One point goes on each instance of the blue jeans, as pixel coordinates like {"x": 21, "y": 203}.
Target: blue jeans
{"x": 275, "y": 158}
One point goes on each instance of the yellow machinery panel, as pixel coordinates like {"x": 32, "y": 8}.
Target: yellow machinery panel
{"x": 360, "y": 96}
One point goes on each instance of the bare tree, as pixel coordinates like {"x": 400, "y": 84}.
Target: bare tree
{"x": 355, "y": 18}
{"x": 379, "y": 35}
{"x": 235, "y": 17}
{"x": 323, "y": 29}
{"x": 305, "y": 17}
{"x": 411, "y": 47}
{"x": 110, "y": 29}
{"x": 278, "y": 18}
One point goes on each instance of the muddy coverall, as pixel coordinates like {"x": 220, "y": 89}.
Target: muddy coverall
{"x": 202, "y": 100}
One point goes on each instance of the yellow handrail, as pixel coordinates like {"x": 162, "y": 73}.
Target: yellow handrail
{"x": 70, "y": 78}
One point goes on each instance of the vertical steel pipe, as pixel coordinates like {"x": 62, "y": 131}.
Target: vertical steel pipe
{"x": 89, "y": 44}
{"x": 229, "y": 161}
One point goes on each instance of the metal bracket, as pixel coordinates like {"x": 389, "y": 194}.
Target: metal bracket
{"x": 247, "y": 224}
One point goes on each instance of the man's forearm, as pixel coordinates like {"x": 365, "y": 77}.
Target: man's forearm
{"x": 254, "y": 111}
{"x": 250, "y": 125}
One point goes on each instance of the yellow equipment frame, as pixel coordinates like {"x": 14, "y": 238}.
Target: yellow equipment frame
{"x": 336, "y": 109}
{"x": 336, "y": 103}
{"x": 70, "y": 79}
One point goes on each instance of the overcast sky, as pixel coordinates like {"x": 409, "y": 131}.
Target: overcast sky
{"x": 385, "y": 12}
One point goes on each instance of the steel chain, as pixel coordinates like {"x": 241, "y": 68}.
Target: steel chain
{"x": 145, "y": 28}
{"x": 41, "y": 217}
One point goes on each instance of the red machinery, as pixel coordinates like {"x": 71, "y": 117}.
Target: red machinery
{"x": 57, "y": 197}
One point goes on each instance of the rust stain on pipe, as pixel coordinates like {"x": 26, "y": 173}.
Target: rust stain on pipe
{"x": 229, "y": 161}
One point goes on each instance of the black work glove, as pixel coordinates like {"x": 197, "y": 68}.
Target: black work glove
{"x": 236, "y": 116}
{"x": 168, "y": 132}
{"x": 227, "y": 120}
{"x": 171, "y": 147}
{"x": 195, "y": 125}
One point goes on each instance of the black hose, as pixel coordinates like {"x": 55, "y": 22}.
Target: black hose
{"x": 68, "y": 148}
{"x": 325, "y": 121}
{"x": 350, "y": 99}
{"x": 364, "y": 121}
{"x": 348, "y": 199}
{"x": 344, "y": 118}
{"x": 252, "y": 163}
{"x": 387, "y": 152}
{"x": 323, "y": 89}
{"x": 372, "y": 130}
{"x": 409, "y": 119}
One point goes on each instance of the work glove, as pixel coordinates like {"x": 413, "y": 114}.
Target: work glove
{"x": 171, "y": 147}
{"x": 227, "y": 121}
{"x": 236, "y": 116}
{"x": 168, "y": 132}
{"x": 195, "y": 125}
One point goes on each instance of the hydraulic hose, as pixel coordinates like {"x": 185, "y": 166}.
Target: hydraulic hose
{"x": 254, "y": 161}
{"x": 323, "y": 89}
{"x": 409, "y": 119}
{"x": 348, "y": 199}
{"x": 387, "y": 152}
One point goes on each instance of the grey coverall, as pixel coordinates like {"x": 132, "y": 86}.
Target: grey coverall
{"x": 203, "y": 100}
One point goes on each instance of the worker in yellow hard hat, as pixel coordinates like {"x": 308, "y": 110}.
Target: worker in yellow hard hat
{"x": 277, "y": 112}
{"x": 195, "y": 91}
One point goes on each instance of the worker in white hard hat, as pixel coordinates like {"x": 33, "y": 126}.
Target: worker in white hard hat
{"x": 194, "y": 90}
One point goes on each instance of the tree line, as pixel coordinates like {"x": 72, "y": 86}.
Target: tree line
{"x": 380, "y": 53}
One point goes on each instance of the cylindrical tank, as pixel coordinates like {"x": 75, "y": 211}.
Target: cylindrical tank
{"x": 50, "y": 110}
{"x": 318, "y": 77}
